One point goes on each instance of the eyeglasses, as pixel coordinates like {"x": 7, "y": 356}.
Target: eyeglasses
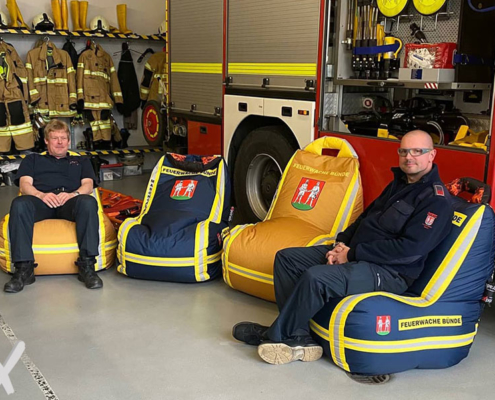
{"x": 413, "y": 152}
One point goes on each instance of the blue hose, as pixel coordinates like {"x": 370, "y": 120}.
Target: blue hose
{"x": 482, "y": 10}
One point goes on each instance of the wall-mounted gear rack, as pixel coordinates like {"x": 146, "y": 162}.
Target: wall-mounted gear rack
{"x": 132, "y": 36}
{"x": 137, "y": 150}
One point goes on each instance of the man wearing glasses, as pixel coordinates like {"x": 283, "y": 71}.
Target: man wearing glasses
{"x": 383, "y": 250}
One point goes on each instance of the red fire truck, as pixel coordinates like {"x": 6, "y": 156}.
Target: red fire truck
{"x": 255, "y": 80}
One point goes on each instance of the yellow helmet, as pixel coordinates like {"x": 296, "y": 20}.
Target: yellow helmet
{"x": 99, "y": 24}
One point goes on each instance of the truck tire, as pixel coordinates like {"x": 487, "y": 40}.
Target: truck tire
{"x": 259, "y": 165}
{"x": 153, "y": 123}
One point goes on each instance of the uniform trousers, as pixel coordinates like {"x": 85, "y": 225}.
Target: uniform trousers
{"x": 304, "y": 283}
{"x": 26, "y": 210}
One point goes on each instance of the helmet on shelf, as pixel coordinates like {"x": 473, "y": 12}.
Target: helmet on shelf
{"x": 99, "y": 24}
{"x": 162, "y": 30}
{"x": 4, "y": 22}
{"x": 42, "y": 22}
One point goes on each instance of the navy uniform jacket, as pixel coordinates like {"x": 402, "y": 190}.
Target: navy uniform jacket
{"x": 400, "y": 228}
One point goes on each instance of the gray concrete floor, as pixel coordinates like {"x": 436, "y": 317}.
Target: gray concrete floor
{"x": 144, "y": 340}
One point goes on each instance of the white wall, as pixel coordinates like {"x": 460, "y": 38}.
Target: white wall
{"x": 143, "y": 17}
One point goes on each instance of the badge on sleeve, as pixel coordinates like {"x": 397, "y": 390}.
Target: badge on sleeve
{"x": 439, "y": 190}
{"x": 430, "y": 218}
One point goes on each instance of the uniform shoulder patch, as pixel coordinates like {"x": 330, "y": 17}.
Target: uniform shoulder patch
{"x": 439, "y": 190}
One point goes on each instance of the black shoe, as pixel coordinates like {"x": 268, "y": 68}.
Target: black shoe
{"x": 300, "y": 348}
{"x": 87, "y": 273}
{"x": 23, "y": 275}
{"x": 369, "y": 379}
{"x": 249, "y": 333}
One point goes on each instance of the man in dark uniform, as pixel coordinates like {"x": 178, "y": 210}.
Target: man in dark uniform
{"x": 56, "y": 185}
{"x": 383, "y": 250}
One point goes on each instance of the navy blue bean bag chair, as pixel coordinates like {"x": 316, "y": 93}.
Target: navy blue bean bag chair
{"x": 178, "y": 235}
{"x": 434, "y": 324}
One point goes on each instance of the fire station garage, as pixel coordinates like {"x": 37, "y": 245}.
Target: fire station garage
{"x": 231, "y": 199}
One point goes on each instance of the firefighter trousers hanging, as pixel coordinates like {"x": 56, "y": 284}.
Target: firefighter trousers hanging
{"x": 100, "y": 123}
{"x": 14, "y": 125}
{"x": 14, "y": 116}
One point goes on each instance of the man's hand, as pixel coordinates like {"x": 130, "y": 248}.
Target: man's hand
{"x": 63, "y": 197}
{"x": 338, "y": 255}
{"x": 50, "y": 199}
{"x": 341, "y": 256}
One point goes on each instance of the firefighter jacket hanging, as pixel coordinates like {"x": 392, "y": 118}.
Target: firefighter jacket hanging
{"x": 155, "y": 71}
{"x": 52, "y": 81}
{"x": 98, "y": 89}
{"x": 14, "y": 115}
{"x": 128, "y": 82}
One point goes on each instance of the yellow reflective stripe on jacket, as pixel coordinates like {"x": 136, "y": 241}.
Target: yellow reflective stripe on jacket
{"x": 197, "y": 68}
{"x": 23, "y": 80}
{"x": 55, "y": 113}
{"x": 144, "y": 91}
{"x": 117, "y": 94}
{"x": 96, "y": 73}
{"x": 57, "y": 80}
{"x": 33, "y": 92}
{"x": 292, "y": 69}
{"x": 70, "y": 70}
{"x": 433, "y": 291}
{"x": 73, "y": 95}
{"x": 28, "y": 66}
{"x": 80, "y": 90}
{"x": 80, "y": 65}
{"x": 39, "y": 79}
{"x": 112, "y": 69}
{"x": 98, "y": 105}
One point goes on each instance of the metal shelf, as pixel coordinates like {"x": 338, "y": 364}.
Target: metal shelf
{"x": 395, "y": 83}
{"x": 131, "y": 150}
{"x": 130, "y": 36}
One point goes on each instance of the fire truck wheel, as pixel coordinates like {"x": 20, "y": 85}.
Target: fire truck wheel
{"x": 153, "y": 122}
{"x": 258, "y": 168}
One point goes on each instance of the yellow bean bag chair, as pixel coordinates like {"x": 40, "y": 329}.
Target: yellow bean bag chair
{"x": 317, "y": 197}
{"x": 55, "y": 245}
